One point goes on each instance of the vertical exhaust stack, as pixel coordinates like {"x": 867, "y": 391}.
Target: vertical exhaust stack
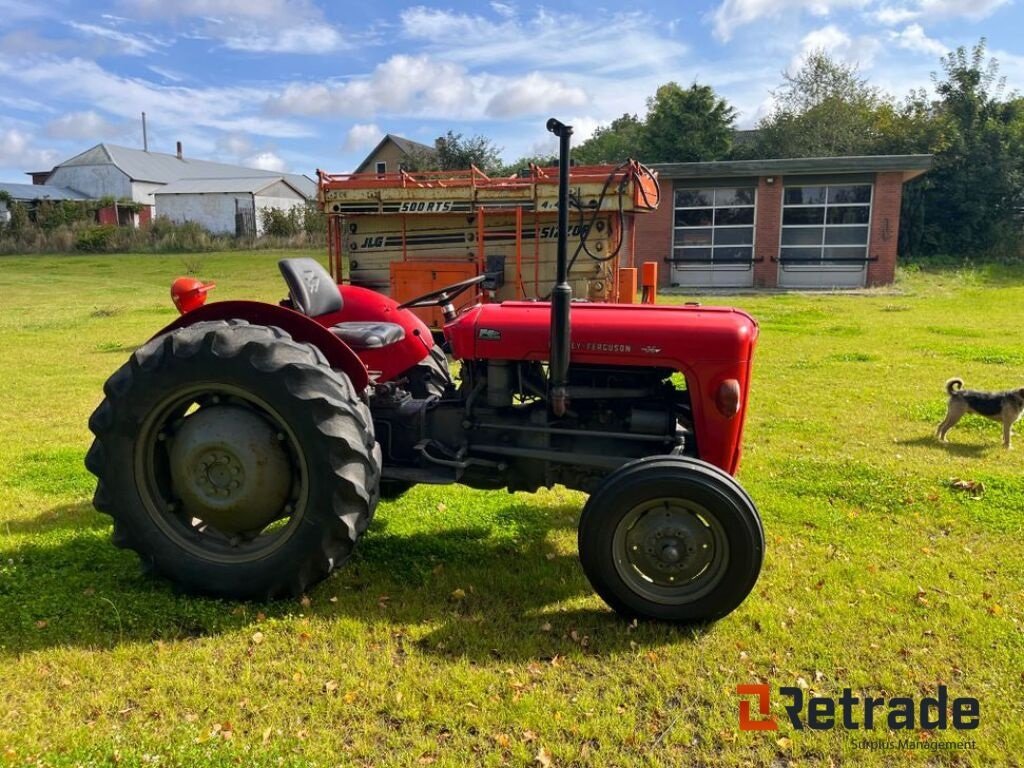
{"x": 179, "y": 151}
{"x": 561, "y": 294}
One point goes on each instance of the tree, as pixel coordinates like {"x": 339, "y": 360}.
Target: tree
{"x": 823, "y": 109}
{"x": 456, "y": 152}
{"x": 613, "y": 143}
{"x": 975, "y": 187}
{"x": 686, "y": 125}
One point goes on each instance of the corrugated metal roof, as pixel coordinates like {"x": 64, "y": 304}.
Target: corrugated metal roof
{"x": 244, "y": 184}
{"x": 40, "y": 192}
{"x": 162, "y": 168}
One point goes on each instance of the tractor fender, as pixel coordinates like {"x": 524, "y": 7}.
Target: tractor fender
{"x": 301, "y": 328}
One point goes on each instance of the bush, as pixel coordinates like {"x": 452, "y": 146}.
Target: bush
{"x": 96, "y": 238}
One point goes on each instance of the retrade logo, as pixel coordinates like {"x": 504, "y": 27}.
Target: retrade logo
{"x": 763, "y": 706}
{"x": 849, "y": 712}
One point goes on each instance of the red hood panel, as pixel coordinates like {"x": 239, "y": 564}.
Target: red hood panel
{"x": 619, "y": 334}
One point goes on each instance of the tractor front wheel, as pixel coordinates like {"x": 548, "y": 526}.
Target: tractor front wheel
{"x": 234, "y": 460}
{"x": 671, "y": 538}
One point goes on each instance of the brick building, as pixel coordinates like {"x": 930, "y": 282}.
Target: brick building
{"x": 789, "y": 223}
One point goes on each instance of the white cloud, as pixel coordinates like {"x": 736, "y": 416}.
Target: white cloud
{"x": 311, "y": 39}
{"x": 253, "y": 26}
{"x": 913, "y": 38}
{"x": 424, "y": 86}
{"x": 732, "y": 14}
{"x": 121, "y": 42}
{"x": 593, "y": 43}
{"x": 18, "y": 152}
{"x": 403, "y": 84}
{"x": 837, "y": 43}
{"x": 932, "y": 10}
{"x": 533, "y": 94}
{"x": 82, "y": 81}
{"x": 278, "y": 10}
{"x": 267, "y": 161}
{"x": 84, "y": 126}
{"x": 362, "y": 136}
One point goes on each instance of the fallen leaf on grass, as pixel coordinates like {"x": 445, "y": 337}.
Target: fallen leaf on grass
{"x": 974, "y": 488}
{"x": 529, "y": 736}
{"x": 459, "y": 594}
{"x": 266, "y": 735}
{"x": 784, "y": 743}
{"x": 257, "y": 638}
{"x": 995, "y": 609}
{"x": 42, "y": 624}
{"x": 543, "y": 757}
{"x": 502, "y": 740}
{"x": 330, "y": 686}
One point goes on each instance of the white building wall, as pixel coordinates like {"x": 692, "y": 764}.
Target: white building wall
{"x": 142, "y": 192}
{"x": 94, "y": 181}
{"x": 5, "y": 215}
{"x": 214, "y": 211}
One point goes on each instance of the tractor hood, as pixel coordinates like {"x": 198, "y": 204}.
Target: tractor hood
{"x": 676, "y": 337}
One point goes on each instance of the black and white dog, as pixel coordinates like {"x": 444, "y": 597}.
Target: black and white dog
{"x": 1005, "y": 407}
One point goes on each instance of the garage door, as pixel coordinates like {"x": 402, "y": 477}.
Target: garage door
{"x": 713, "y": 237}
{"x": 825, "y": 236}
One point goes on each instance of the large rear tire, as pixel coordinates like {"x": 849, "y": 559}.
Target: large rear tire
{"x": 234, "y": 460}
{"x": 671, "y": 538}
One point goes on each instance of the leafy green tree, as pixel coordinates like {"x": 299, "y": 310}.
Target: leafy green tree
{"x": 613, "y": 143}
{"x": 823, "y": 109}
{"x": 686, "y": 125}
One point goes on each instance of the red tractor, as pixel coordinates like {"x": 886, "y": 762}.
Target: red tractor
{"x": 242, "y": 450}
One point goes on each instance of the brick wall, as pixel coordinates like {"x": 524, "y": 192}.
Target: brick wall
{"x": 654, "y": 235}
{"x": 766, "y": 232}
{"x": 885, "y": 226}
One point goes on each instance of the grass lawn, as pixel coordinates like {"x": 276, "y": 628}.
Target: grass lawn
{"x": 463, "y": 631}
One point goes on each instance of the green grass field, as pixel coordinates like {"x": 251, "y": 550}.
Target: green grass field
{"x": 463, "y": 631}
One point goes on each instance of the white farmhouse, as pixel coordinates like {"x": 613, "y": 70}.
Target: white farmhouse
{"x": 108, "y": 170}
{"x": 227, "y": 206}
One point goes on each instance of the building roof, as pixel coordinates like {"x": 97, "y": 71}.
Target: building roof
{"x": 40, "y": 192}
{"x": 909, "y": 165}
{"x": 241, "y": 184}
{"x": 408, "y": 147}
{"x": 163, "y": 168}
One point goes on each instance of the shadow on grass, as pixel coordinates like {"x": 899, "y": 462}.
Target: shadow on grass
{"x": 66, "y": 516}
{"x": 957, "y": 449}
{"x": 488, "y": 596}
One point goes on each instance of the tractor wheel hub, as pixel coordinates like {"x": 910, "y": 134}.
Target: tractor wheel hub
{"x": 668, "y": 544}
{"x": 229, "y": 469}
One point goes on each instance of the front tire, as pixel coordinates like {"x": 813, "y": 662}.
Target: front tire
{"x": 234, "y": 460}
{"x": 671, "y": 538}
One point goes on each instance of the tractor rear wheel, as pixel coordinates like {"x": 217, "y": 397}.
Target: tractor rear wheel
{"x": 234, "y": 460}
{"x": 671, "y": 538}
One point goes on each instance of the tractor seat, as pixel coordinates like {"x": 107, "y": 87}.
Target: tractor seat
{"x": 369, "y": 334}
{"x": 313, "y": 292}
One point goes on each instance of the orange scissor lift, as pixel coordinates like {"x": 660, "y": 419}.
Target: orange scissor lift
{"x": 407, "y": 233}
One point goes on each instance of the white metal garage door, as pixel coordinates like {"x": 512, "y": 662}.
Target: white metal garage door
{"x": 713, "y": 237}
{"x": 824, "y": 242}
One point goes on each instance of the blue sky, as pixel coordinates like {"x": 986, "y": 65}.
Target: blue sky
{"x": 298, "y": 84}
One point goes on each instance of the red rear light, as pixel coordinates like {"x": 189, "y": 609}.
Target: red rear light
{"x": 727, "y": 398}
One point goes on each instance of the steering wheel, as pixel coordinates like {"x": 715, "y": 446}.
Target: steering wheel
{"x": 443, "y": 296}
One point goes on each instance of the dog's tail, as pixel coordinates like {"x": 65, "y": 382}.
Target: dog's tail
{"x": 952, "y": 385}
